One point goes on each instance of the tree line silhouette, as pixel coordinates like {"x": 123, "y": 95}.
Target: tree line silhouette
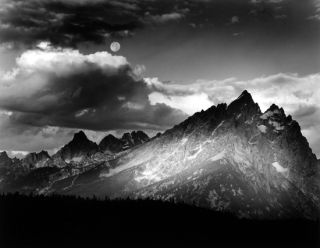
{"x": 71, "y": 221}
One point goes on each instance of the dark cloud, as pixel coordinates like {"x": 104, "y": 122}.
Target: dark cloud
{"x": 65, "y": 22}
{"x": 22, "y": 137}
{"x": 64, "y": 88}
{"x": 69, "y": 22}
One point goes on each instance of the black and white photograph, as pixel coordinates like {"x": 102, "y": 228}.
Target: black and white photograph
{"x": 159, "y": 123}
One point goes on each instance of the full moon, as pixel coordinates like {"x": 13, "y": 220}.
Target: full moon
{"x": 115, "y": 46}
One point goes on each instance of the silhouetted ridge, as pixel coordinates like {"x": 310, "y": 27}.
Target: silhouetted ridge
{"x": 243, "y": 108}
{"x": 34, "y": 160}
{"x": 66, "y": 221}
{"x": 111, "y": 143}
{"x": 128, "y": 140}
{"x": 244, "y": 105}
{"x": 277, "y": 110}
{"x": 80, "y": 136}
{"x": 139, "y": 137}
{"x": 5, "y": 161}
{"x": 3, "y": 155}
{"x": 79, "y": 146}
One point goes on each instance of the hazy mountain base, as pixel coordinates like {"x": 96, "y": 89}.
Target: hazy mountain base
{"x": 65, "y": 221}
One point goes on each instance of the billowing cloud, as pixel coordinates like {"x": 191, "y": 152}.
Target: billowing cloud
{"x": 316, "y": 14}
{"x": 56, "y": 87}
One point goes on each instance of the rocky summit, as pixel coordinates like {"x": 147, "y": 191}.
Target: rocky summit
{"x": 128, "y": 140}
{"x": 230, "y": 158}
{"x": 80, "y": 146}
{"x": 36, "y": 160}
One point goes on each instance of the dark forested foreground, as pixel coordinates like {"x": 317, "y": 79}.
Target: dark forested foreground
{"x": 65, "y": 221}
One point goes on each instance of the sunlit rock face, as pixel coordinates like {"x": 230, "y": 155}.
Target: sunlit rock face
{"x": 229, "y": 158}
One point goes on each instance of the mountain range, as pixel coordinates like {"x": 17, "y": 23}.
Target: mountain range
{"x": 232, "y": 158}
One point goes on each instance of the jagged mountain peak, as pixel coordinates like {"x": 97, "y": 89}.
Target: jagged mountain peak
{"x": 241, "y": 109}
{"x": 244, "y": 104}
{"x": 3, "y": 155}
{"x": 40, "y": 154}
{"x": 110, "y": 143}
{"x": 128, "y": 140}
{"x": 139, "y": 137}
{"x": 276, "y": 109}
{"x": 108, "y": 138}
{"x": 79, "y": 147}
{"x": 275, "y": 113}
{"x": 126, "y": 136}
{"x": 273, "y": 107}
{"x": 139, "y": 132}
{"x": 245, "y": 95}
{"x": 80, "y": 136}
{"x": 36, "y": 160}
{"x": 45, "y": 153}
{"x": 5, "y": 160}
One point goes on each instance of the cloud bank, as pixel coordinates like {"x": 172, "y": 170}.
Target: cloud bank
{"x": 59, "y": 87}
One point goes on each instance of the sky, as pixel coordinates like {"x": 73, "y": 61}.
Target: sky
{"x": 58, "y": 74}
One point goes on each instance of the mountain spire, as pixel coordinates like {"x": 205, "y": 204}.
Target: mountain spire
{"x": 244, "y": 104}
{"x": 80, "y": 136}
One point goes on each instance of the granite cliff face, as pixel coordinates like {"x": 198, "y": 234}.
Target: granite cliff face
{"x": 229, "y": 158}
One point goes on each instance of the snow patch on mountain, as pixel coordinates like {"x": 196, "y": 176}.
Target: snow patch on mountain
{"x": 276, "y": 125}
{"x": 262, "y": 128}
{"x": 184, "y": 140}
{"x": 279, "y": 168}
{"x": 117, "y": 170}
{"x": 198, "y": 151}
{"x": 150, "y": 175}
{"x": 219, "y": 156}
{"x": 214, "y": 131}
{"x": 75, "y": 159}
{"x": 41, "y": 163}
{"x": 269, "y": 113}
